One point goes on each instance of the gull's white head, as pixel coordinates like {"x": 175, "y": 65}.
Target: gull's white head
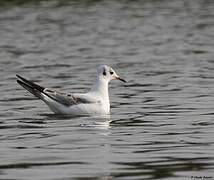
{"x": 107, "y": 73}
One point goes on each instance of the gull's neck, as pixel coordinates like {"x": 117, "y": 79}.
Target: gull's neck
{"x": 101, "y": 87}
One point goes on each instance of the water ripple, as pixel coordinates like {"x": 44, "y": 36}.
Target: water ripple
{"x": 161, "y": 122}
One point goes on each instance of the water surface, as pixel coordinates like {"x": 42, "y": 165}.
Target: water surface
{"x": 161, "y": 123}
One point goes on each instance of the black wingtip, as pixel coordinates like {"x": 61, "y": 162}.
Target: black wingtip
{"x": 33, "y": 85}
{"x": 24, "y": 85}
{"x": 18, "y": 76}
{"x": 18, "y": 81}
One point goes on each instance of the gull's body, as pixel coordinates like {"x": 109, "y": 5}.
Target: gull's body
{"x": 96, "y": 101}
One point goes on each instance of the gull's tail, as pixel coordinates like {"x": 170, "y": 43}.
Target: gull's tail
{"x": 42, "y": 93}
{"x": 33, "y": 88}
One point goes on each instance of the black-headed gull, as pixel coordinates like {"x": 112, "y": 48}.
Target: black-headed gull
{"x": 96, "y": 101}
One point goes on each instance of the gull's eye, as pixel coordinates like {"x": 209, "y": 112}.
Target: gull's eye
{"x": 111, "y": 72}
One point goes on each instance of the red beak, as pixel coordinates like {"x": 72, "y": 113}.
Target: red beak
{"x": 121, "y": 79}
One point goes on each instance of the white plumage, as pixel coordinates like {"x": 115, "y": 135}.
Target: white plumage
{"x": 96, "y": 101}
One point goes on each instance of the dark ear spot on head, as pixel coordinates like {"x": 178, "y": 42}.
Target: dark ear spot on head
{"x": 104, "y": 72}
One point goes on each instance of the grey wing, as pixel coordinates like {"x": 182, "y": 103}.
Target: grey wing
{"x": 69, "y": 99}
{"x": 62, "y": 98}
